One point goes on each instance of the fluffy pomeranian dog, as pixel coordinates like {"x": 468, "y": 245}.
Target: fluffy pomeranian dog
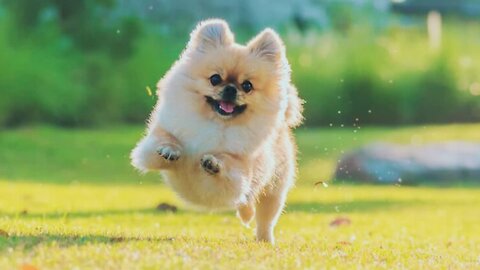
{"x": 220, "y": 132}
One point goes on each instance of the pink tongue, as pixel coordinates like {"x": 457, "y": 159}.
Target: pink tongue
{"x": 227, "y": 106}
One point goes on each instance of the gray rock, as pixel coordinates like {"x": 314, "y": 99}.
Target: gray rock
{"x": 392, "y": 163}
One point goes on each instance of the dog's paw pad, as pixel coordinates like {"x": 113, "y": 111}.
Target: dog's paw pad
{"x": 210, "y": 164}
{"x": 169, "y": 153}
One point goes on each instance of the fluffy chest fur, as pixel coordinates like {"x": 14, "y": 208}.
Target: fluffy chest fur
{"x": 199, "y": 135}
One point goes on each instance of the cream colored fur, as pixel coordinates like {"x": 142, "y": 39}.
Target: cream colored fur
{"x": 254, "y": 151}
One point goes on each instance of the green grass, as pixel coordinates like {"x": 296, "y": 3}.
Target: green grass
{"x": 100, "y": 156}
{"x": 68, "y": 198}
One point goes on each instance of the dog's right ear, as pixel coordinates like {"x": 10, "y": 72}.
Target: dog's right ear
{"x": 210, "y": 34}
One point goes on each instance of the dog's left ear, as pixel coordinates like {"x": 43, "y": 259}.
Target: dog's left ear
{"x": 210, "y": 34}
{"x": 267, "y": 45}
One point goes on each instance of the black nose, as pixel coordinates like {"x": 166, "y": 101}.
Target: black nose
{"x": 229, "y": 93}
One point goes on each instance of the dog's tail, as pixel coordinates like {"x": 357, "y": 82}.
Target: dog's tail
{"x": 293, "y": 114}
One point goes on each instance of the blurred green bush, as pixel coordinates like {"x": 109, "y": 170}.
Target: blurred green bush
{"x": 387, "y": 78}
{"x": 359, "y": 75}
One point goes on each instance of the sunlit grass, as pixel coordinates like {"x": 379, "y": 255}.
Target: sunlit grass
{"x": 116, "y": 227}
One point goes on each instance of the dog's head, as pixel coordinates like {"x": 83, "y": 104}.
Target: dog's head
{"x": 231, "y": 81}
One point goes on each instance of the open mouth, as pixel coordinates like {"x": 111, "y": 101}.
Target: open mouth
{"x": 225, "y": 108}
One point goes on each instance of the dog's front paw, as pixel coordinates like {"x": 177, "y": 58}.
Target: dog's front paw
{"x": 169, "y": 152}
{"x": 210, "y": 164}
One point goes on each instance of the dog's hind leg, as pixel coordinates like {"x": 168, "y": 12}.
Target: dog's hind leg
{"x": 268, "y": 210}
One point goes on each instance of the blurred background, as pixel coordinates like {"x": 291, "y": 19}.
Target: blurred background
{"x": 389, "y": 155}
{"x": 74, "y": 77}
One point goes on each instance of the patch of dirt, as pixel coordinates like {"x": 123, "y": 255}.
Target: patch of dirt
{"x": 165, "y": 207}
{"x": 3, "y": 233}
{"x": 341, "y": 221}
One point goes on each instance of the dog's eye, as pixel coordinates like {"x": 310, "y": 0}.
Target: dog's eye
{"x": 215, "y": 79}
{"x": 247, "y": 86}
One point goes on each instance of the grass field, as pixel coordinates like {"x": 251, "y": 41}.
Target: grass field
{"x": 69, "y": 200}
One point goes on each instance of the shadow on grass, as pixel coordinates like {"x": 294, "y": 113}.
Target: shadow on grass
{"x": 348, "y": 207}
{"x": 89, "y": 214}
{"x": 294, "y": 207}
{"x": 30, "y": 241}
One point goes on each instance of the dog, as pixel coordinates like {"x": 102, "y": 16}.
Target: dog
{"x": 221, "y": 131}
